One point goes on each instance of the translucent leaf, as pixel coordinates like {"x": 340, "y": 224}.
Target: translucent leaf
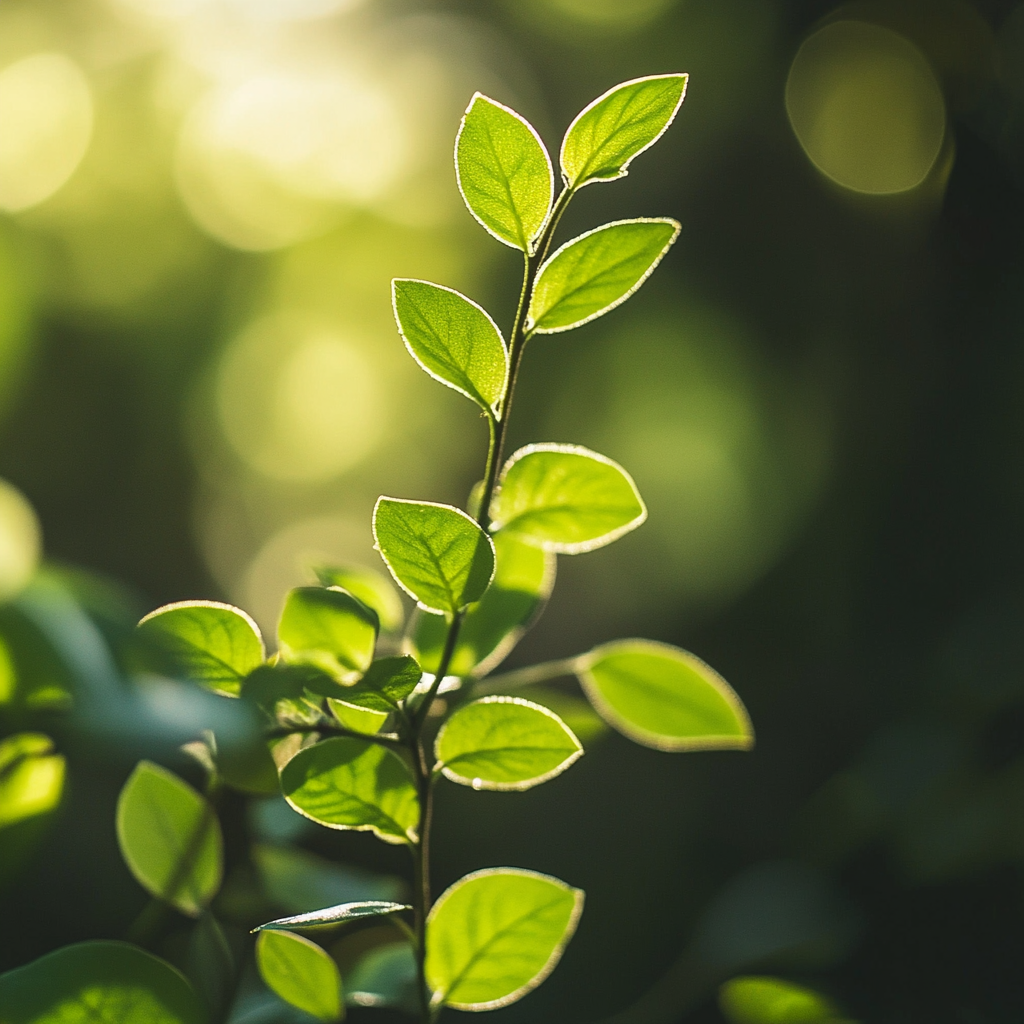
{"x": 386, "y": 976}
{"x": 98, "y": 982}
{"x": 289, "y": 691}
{"x": 387, "y": 682}
{"x": 301, "y": 973}
{"x": 373, "y": 589}
{"x": 597, "y": 271}
{"x": 607, "y": 134}
{"x": 664, "y": 697}
{"x": 504, "y": 172}
{"x": 496, "y": 934}
{"x": 328, "y": 628}
{"x": 31, "y": 778}
{"x": 369, "y": 723}
{"x": 761, "y": 1000}
{"x": 524, "y": 576}
{"x": 170, "y": 838}
{"x": 214, "y": 644}
{"x": 586, "y": 724}
{"x": 347, "y": 783}
{"x": 340, "y": 914}
{"x": 437, "y": 553}
{"x": 566, "y": 499}
{"x": 453, "y": 339}
{"x": 505, "y": 743}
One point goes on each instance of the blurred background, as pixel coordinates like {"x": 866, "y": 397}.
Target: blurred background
{"x": 820, "y": 394}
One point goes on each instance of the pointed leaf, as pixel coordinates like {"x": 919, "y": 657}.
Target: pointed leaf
{"x": 505, "y": 743}
{"x": 504, "y": 172}
{"x": 496, "y": 934}
{"x": 437, "y": 553}
{"x": 301, "y": 973}
{"x": 387, "y": 682}
{"x": 370, "y": 587}
{"x": 214, "y": 644}
{"x": 664, "y": 697}
{"x": 597, "y": 271}
{"x": 328, "y": 628}
{"x": 453, "y": 339}
{"x": 620, "y": 124}
{"x": 566, "y": 499}
{"x": 99, "y": 982}
{"x": 347, "y": 783}
{"x": 761, "y": 1000}
{"x": 170, "y": 838}
{"x": 341, "y": 914}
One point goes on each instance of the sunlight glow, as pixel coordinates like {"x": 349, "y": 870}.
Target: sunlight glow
{"x": 20, "y": 540}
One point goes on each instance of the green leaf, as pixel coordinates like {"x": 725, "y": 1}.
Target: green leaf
{"x": 346, "y": 783}
{"x": 369, "y": 723}
{"x": 505, "y": 743}
{"x": 586, "y": 724}
{"x": 387, "y": 682}
{"x": 386, "y": 976}
{"x": 664, "y": 697}
{"x": 597, "y": 271}
{"x": 504, "y": 172}
{"x": 170, "y": 838}
{"x": 762, "y": 1000}
{"x": 524, "y": 576}
{"x": 289, "y": 691}
{"x": 327, "y": 628}
{"x": 453, "y": 339}
{"x": 496, "y": 934}
{"x": 98, "y": 982}
{"x": 211, "y": 643}
{"x": 619, "y": 125}
{"x": 566, "y": 499}
{"x": 210, "y": 966}
{"x": 301, "y": 973}
{"x": 372, "y": 588}
{"x": 340, "y": 914}
{"x": 31, "y": 778}
{"x": 437, "y": 553}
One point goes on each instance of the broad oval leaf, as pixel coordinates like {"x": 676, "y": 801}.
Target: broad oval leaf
{"x": 566, "y": 499}
{"x": 346, "y": 783}
{"x": 301, "y": 973}
{"x": 597, "y": 271}
{"x": 211, "y": 643}
{"x": 170, "y": 838}
{"x": 341, "y": 914}
{"x": 370, "y": 587}
{"x": 524, "y": 576}
{"x": 505, "y": 743}
{"x": 664, "y": 697}
{"x": 765, "y": 1000}
{"x": 327, "y": 628}
{"x": 453, "y": 339}
{"x": 387, "y": 682}
{"x": 504, "y": 172}
{"x": 619, "y": 125}
{"x": 437, "y": 553}
{"x": 496, "y": 934}
{"x": 99, "y": 982}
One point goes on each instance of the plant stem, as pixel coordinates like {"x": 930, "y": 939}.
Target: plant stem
{"x": 529, "y": 676}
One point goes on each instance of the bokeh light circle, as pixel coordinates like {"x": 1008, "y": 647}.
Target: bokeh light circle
{"x": 866, "y": 108}
{"x": 20, "y": 541}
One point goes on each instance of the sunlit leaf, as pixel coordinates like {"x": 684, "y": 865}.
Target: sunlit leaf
{"x": 301, "y": 973}
{"x": 327, "y": 628}
{"x": 368, "y": 723}
{"x": 387, "y": 682}
{"x": 566, "y": 499}
{"x": 597, "y": 271}
{"x": 371, "y": 587}
{"x": 664, "y": 697}
{"x": 504, "y": 172}
{"x": 577, "y": 713}
{"x": 619, "y": 125}
{"x": 31, "y": 778}
{"x": 453, "y": 339}
{"x": 761, "y": 1000}
{"x": 496, "y": 934}
{"x": 170, "y": 838}
{"x": 289, "y": 691}
{"x": 340, "y": 914}
{"x": 437, "y": 553}
{"x": 98, "y": 982}
{"x": 353, "y": 784}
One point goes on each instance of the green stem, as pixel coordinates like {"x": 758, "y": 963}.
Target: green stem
{"x": 542, "y": 673}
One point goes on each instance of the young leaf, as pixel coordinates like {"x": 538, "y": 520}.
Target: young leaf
{"x": 387, "y": 682}
{"x": 341, "y": 914}
{"x": 370, "y": 587}
{"x": 327, "y": 628}
{"x": 301, "y": 973}
{"x": 504, "y": 172}
{"x": 761, "y": 1000}
{"x": 619, "y": 125}
{"x": 597, "y": 271}
{"x": 496, "y": 934}
{"x": 170, "y": 838}
{"x": 664, "y": 697}
{"x": 31, "y": 778}
{"x": 453, "y": 339}
{"x": 347, "y": 783}
{"x": 105, "y": 982}
{"x": 524, "y": 576}
{"x": 505, "y": 743}
{"x": 566, "y": 499}
{"x": 437, "y": 553}
{"x": 211, "y": 643}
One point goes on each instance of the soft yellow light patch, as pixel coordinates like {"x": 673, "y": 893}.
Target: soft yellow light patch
{"x": 20, "y": 540}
